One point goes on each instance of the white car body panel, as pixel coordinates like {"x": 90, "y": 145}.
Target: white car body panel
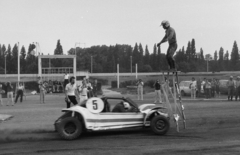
{"x": 115, "y": 120}
{"x": 108, "y": 120}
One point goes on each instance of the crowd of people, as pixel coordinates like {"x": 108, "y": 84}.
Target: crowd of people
{"x": 78, "y": 94}
{"x": 206, "y": 88}
{"x": 210, "y": 88}
{"x": 8, "y": 89}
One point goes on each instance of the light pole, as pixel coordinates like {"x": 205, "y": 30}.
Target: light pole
{"x": 208, "y": 57}
{"x": 18, "y": 63}
{"x": 91, "y": 64}
{"x": 5, "y": 64}
{"x": 78, "y": 43}
{"x": 131, "y": 63}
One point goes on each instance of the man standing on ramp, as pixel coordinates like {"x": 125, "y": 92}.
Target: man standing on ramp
{"x": 170, "y": 36}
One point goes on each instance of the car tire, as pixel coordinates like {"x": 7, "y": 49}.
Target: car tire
{"x": 70, "y": 128}
{"x": 160, "y": 125}
{"x": 182, "y": 93}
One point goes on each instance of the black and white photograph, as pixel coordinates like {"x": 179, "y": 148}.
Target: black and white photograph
{"x": 119, "y": 77}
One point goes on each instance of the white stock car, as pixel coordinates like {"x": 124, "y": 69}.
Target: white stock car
{"x": 97, "y": 115}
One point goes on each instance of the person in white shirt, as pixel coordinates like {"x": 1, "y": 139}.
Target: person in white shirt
{"x": 70, "y": 92}
{"x": 83, "y": 92}
{"x": 66, "y": 79}
{"x": 193, "y": 87}
{"x": 19, "y": 92}
{"x": 140, "y": 89}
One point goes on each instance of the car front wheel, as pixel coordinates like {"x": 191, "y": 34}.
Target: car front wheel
{"x": 70, "y": 128}
{"x": 160, "y": 125}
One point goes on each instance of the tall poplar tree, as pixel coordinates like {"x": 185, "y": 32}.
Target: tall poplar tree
{"x": 234, "y": 56}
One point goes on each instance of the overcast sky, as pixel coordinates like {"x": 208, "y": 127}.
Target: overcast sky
{"x": 212, "y": 23}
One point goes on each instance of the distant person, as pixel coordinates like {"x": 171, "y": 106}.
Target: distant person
{"x": 89, "y": 88}
{"x": 193, "y": 87}
{"x": 42, "y": 88}
{"x": 66, "y": 79}
{"x": 169, "y": 37}
{"x": 10, "y": 93}
{"x": 140, "y": 85}
{"x": 237, "y": 88}
{"x": 213, "y": 87}
{"x": 95, "y": 88}
{"x": 20, "y": 90}
{"x": 208, "y": 88}
{"x": 1, "y": 92}
{"x": 198, "y": 87}
{"x": 70, "y": 92}
{"x": 83, "y": 92}
{"x": 230, "y": 85}
{"x": 203, "y": 87}
{"x": 158, "y": 95}
{"x": 217, "y": 88}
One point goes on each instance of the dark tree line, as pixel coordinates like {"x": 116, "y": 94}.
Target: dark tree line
{"x": 105, "y": 59}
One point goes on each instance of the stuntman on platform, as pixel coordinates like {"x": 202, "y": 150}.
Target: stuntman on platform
{"x": 170, "y": 36}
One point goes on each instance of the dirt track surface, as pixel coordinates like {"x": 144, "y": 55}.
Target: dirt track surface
{"x": 212, "y": 128}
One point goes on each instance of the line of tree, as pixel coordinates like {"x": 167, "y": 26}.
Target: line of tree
{"x": 105, "y": 59}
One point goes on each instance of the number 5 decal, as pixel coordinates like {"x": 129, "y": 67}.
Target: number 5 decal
{"x": 95, "y": 105}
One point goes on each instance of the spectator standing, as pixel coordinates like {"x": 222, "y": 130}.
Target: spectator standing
{"x": 1, "y": 92}
{"x": 83, "y": 92}
{"x": 158, "y": 95}
{"x": 237, "y": 88}
{"x": 89, "y": 88}
{"x": 70, "y": 92}
{"x": 193, "y": 87}
{"x": 66, "y": 79}
{"x": 10, "y": 93}
{"x": 20, "y": 90}
{"x": 198, "y": 87}
{"x": 208, "y": 88}
{"x": 140, "y": 85}
{"x": 203, "y": 87}
{"x": 42, "y": 88}
{"x": 231, "y": 86}
{"x": 213, "y": 87}
{"x": 95, "y": 88}
{"x": 218, "y": 88}
{"x": 39, "y": 83}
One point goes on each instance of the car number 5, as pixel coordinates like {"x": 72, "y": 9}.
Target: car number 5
{"x": 95, "y": 106}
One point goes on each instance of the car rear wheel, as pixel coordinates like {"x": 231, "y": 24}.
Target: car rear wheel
{"x": 160, "y": 125}
{"x": 70, "y": 128}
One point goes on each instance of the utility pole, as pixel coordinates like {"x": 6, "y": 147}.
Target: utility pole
{"x": 91, "y": 64}
{"x": 131, "y": 63}
{"x": 5, "y": 63}
{"x": 78, "y": 43}
{"x": 18, "y": 63}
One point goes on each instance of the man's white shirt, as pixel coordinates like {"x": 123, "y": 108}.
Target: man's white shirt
{"x": 71, "y": 89}
{"x": 66, "y": 76}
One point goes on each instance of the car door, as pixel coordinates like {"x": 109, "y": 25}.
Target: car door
{"x": 114, "y": 120}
